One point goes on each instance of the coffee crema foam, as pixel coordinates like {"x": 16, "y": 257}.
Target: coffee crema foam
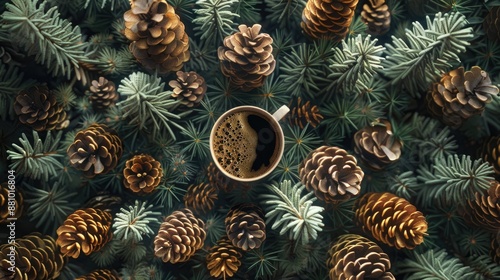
{"x": 235, "y": 145}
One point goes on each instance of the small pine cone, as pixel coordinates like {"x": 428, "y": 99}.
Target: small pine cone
{"x": 328, "y": 19}
{"x": 189, "y": 87}
{"x": 100, "y": 274}
{"x": 246, "y": 57}
{"x": 376, "y": 145}
{"x": 95, "y": 150}
{"x": 377, "y": 17}
{"x": 459, "y": 95}
{"x": 10, "y": 208}
{"x": 484, "y": 210}
{"x": 391, "y": 219}
{"x": 219, "y": 180}
{"x": 85, "y": 230}
{"x": 332, "y": 173}
{"x": 491, "y": 24}
{"x": 495, "y": 247}
{"x": 103, "y": 94}
{"x": 37, "y": 107}
{"x": 303, "y": 114}
{"x": 159, "y": 41}
{"x": 201, "y": 198}
{"x": 180, "y": 235}
{"x": 223, "y": 259}
{"x": 245, "y": 226}
{"x": 490, "y": 152}
{"x": 353, "y": 256}
{"x": 36, "y": 258}
{"x": 142, "y": 174}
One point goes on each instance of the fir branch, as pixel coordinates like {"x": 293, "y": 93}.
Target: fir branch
{"x": 133, "y": 252}
{"x": 287, "y": 169}
{"x": 261, "y": 262}
{"x": 272, "y": 94}
{"x": 404, "y": 185}
{"x": 357, "y": 27}
{"x": 472, "y": 242}
{"x": 441, "y": 144}
{"x": 445, "y": 220}
{"x": 293, "y": 212}
{"x": 300, "y": 142}
{"x": 11, "y": 82}
{"x": 54, "y": 41}
{"x": 285, "y": 14}
{"x": 115, "y": 62}
{"x": 207, "y": 113}
{"x": 214, "y": 20}
{"x": 133, "y": 223}
{"x": 196, "y": 144}
{"x": 483, "y": 265}
{"x": 203, "y": 57}
{"x": 167, "y": 194}
{"x": 100, "y": 4}
{"x": 65, "y": 95}
{"x": 215, "y": 227}
{"x": 183, "y": 8}
{"x": 248, "y": 12}
{"x": 223, "y": 94}
{"x": 107, "y": 255}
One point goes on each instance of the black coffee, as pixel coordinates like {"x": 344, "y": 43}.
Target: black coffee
{"x": 266, "y": 143}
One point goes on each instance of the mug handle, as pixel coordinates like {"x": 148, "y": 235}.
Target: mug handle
{"x": 281, "y": 112}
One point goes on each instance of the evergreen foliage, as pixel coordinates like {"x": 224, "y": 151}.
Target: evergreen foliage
{"x": 11, "y": 82}
{"x": 197, "y": 141}
{"x": 133, "y": 223}
{"x": 214, "y": 20}
{"x": 300, "y": 142}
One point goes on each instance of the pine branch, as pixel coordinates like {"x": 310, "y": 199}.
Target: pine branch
{"x": 11, "y": 82}
{"x": 214, "y": 20}
{"x": 300, "y": 142}
{"x": 285, "y": 14}
{"x": 197, "y": 143}
{"x": 248, "y": 11}
{"x": 133, "y": 223}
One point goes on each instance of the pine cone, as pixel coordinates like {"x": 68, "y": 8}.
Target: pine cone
{"x": 328, "y": 19}
{"x": 100, "y": 274}
{"x": 377, "y": 17}
{"x": 353, "y": 256}
{"x": 189, "y": 87}
{"x": 201, "y": 197}
{"x": 391, "y": 219}
{"x": 7, "y": 210}
{"x": 245, "y": 226}
{"x": 37, "y": 107}
{"x": 142, "y": 174}
{"x": 246, "y": 57}
{"x": 332, "y": 173}
{"x": 159, "y": 41}
{"x": 36, "y": 258}
{"x": 85, "y": 230}
{"x": 95, "y": 150}
{"x": 376, "y": 145}
{"x": 491, "y": 24}
{"x": 460, "y": 95}
{"x": 484, "y": 210}
{"x": 217, "y": 179}
{"x": 490, "y": 152}
{"x": 180, "y": 235}
{"x": 103, "y": 94}
{"x": 303, "y": 114}
{"x": 223, "y": 259}
{"x": 495, "y": 247}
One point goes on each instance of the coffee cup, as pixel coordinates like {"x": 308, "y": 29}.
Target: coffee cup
{"x": 247, "y": 142}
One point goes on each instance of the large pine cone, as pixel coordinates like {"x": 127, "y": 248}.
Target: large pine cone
{"x": 491, "y": 24}
{"x": 246, "y": 57}
{"x": 102, "y": 94}
{"x": 189, "y": 87}
{"x": 86, "y": 230}
{"x": 159, "y": 41}
{"x": 303, "y": 114}
{"x": 376, "y": 145}
{"x": 332, "y": 173}
{"x": 142, "y": 174}
{"x": 95, "y": 150}
{"x": 7, "y": 209}
{"x": 37, "y": 107}
{"x": 180, "y": 235}
{"x": 36, "y": 257}
{"x": 201, "y": 198}
{"x": 490, "y": 152}
{"x": 460, "y": 95}
{"x": 223, "y": 259}
{"x": 377, "y": 17}
{"x": 484, "y": 210}
{"x": 328, "y": 19}
{"x": 100, "y": 274}
{"x": 245, "y": 226}
{"x": 353, "y": 256}
{"x": 391, "y": 219}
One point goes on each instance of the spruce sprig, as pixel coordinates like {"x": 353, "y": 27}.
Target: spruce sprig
{"x": 11, "y": 82}
{"x": 197, "y": 143}
{"x": 134, "y": 223}
{"x": 214, "y": 20}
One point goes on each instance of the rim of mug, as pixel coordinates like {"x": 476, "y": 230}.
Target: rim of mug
{"x": 274, "y": 123}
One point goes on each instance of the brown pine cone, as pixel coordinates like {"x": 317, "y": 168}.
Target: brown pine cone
{"x": 189, "y": 87}
{"x": 459, "y": 95}
{"x": 180, "y": 235}
{"x": 332, "y": 173}
{"x": 201, "y": 198}
{"x": 142, "y": 174}
{"x": 223, "y": 259}
{"x": 495, "y": 247}
{"x": 37, "y": 107}
{"x": 159, "y": 41}
{"x": 484, "y": 210}
{"x": 303, "y": 114}
{"x": 85, "y": 230}
{"x": 376, "y": 145}
{"x": 219, "y": 180}
{"x": 491, "y": 24}
{"x": 377, "y": 17}
{"x": 100, "y": 274}
{"x": 490, "y": 152}
{"x": 246, "y": 57}
{"x": 328, "y": 19}
{"x": 10, "y": 208}
{"x": 36, "y": 257}
{"x": 103, "y": 94}
{"x": 95, "y": 150}
{"x": 353, "y": 256}
{"x": 391, "y": 219}
{"x": 245, "y": 226}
